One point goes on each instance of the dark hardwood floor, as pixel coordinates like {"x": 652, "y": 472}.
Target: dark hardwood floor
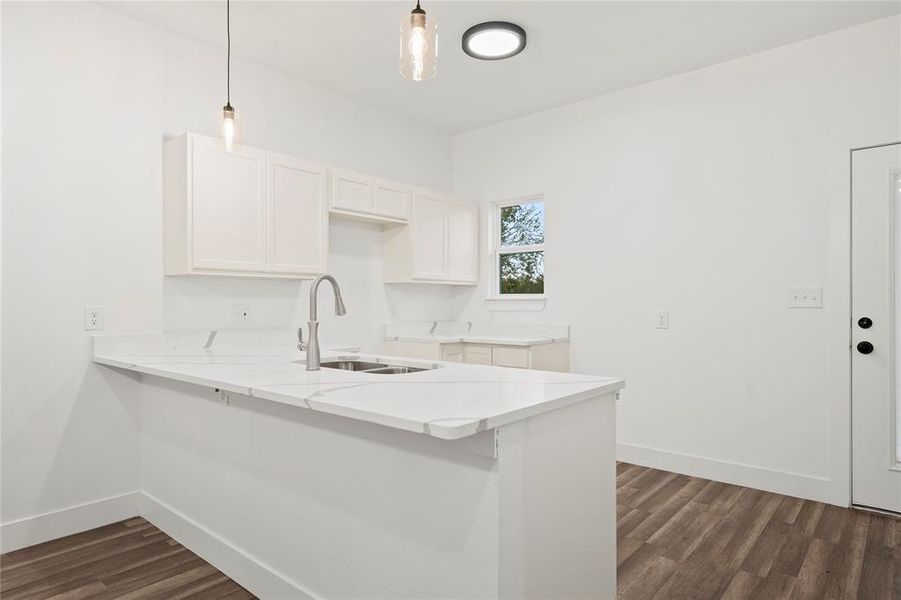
{"x": 684, "y": 537}
{"x": 130, "y": 559}
{"x": 678, "y": 537}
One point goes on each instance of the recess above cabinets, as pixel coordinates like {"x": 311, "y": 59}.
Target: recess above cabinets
{"x": 248, "y": 212}
{"x": 242, "y": 212}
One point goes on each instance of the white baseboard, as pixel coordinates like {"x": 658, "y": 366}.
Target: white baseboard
{"x": 251, "y": 573}
{"x": 248, "y": 571}
{"x": 780, "y": 482}
{"x": 60, "y": 523}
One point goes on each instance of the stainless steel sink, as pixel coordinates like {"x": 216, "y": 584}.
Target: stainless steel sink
{"x": 353, "y": 365}
{"x": 392, "y": 370}
{"x": 371, "y": 367}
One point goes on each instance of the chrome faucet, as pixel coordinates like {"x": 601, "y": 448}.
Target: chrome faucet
{"x": 312, "y": 347}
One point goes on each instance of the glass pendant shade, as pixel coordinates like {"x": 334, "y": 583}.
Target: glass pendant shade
{"x": 418, "y": 46}
{"x": 230, "y": 127}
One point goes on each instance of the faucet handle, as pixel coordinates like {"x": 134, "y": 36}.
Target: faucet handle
{"x": 300, "y": 345}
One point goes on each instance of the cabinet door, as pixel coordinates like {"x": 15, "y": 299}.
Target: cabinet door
{"x": 298, "y": 216}
{"x": 477, "y": 355}
{"x": 228, "y": 207}
{"x": 462, "y": 241}
{"x": 351, "y": 191}
{"x": 452, "y": 352}
{"x": 429, "y": 231}
{"x": 391, "y": 199}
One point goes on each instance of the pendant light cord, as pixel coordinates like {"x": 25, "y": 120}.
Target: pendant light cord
{"x": 228, "y": 60}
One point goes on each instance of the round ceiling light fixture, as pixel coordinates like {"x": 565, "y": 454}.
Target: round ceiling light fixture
{"x": 494, "y": 40}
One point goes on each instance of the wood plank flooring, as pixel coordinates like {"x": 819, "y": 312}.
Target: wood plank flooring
{"x": 679, "y": 537}
{"x": 683, "y": 537}
{"x": 130, "y": 559}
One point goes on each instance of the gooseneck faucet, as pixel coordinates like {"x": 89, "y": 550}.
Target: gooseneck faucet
{"x": 312, "y": 347}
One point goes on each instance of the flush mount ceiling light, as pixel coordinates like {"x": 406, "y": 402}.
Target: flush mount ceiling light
{"x": 494, "y": 40}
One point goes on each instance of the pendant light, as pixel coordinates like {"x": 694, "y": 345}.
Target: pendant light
{"x": 228, "y": 119}
{"x": 418, "y": 45}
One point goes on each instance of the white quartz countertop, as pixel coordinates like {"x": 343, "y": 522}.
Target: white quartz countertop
{"x": 451, "y": 401}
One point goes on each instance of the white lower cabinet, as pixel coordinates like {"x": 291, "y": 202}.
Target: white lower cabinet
{"x": 541, "y": 357}
{"x": 452, "y": 352}
{"x": 242, "y": 211}
{"x": 474, "y": 354}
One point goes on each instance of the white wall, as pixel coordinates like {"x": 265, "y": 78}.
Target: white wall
{"x": 706, "y": 195}
{"x": 89, "y": 96}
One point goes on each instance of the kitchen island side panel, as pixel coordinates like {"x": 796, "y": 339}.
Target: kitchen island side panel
{"x": 339, "y": 507}
{"x": 557, "y": 508}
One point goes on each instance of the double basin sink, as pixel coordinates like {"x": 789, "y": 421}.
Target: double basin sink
{"x": 370, "y": 367}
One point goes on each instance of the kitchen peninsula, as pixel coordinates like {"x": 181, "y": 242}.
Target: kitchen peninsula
{"x": 454, "y": 481}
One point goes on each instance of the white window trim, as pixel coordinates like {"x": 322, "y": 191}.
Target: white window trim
{"x": 498, "y": 249}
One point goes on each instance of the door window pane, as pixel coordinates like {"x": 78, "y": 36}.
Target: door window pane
{"x": 522, "y": 273}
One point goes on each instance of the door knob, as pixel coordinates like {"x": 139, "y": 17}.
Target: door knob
{"x": 864, "y": 347}
{"x": 865, "y": 322}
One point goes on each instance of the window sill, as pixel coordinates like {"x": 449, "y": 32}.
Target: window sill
{"x": 531, "y": 304}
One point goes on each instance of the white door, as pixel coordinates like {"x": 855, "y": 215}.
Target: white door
{"x": 462, "y": 242}
{"x": 875, "y": 329}
{"x": 429, "y": 241}
{"x": 228, "y": 207}
{"x": 298, "y": 216}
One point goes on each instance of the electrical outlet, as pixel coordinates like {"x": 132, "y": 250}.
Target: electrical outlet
{"x": 806, "y": 297}
{"x": 241, "y": 314}
{"x": 93, "y": 318}
{"x": 662, "y": 319}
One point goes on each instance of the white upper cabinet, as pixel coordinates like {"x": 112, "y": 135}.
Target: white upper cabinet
{"x": 298, "y": 216}
{"x": 440, "y": 245}
{"x": 351, "y": 191}
{"x": 462, "y": 241}
{"x": 391, "y": 199}
{"x": 360, "y": 196}
{"x": 242, "y": 212}
{"x": 248, "y": 212}
{"x": 429, "y": 236}
{"x": 228, "y": 208}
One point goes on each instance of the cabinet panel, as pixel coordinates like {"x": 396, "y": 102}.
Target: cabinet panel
{"x": 351, "y": 191}
{"x": 452, "y": 352}
{"x": 429, "y": 230}
{"x": 298, "y": 216}
{"x": 507, "y": 356}
{"x": 462, "y": 242}
{"x": 391, "y": 199}
{"x": 228, "y": 207}
{"x": 477, "y": 355}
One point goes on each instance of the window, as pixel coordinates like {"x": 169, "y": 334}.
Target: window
{"x": 519, "y": 248}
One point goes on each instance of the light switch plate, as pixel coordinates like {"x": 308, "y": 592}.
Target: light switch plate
{"x": 805, "y": 297}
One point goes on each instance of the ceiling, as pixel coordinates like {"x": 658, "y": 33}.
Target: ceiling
{"x": 576, "y": 50}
